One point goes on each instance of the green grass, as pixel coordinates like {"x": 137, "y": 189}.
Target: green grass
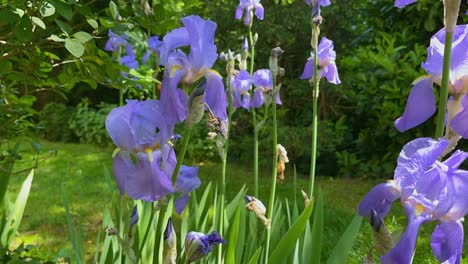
{"x": 80, "y": 169}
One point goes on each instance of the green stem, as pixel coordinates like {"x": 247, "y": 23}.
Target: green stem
{"x": 444, "y": 86}
{"x": 313, "y": 155}
{"x": 121, "y": 96}
{"x": 254, "y": 114}
{"x": 145, "y": 236}
{"x": 223, "y": 187}
{"x": 181, "y": 155}
{"x": 273, "y": 179}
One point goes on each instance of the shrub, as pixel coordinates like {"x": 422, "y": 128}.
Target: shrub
{"x": 53, "y": 122}
{"x": 88, "y": 124}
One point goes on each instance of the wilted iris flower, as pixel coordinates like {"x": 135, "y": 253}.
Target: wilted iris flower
{"x": 249, "y": 6}
{"x": 144, "y": 160}
{"x": 421, "y": 100}
{"x": 256, "y": 206}
{"x": 240, "y": 86}
{"x": 429, "y": 190}
{"x": 198, "y": 245}
{"x": 326, "y": 63}
{"x": 184, "y": 69}
{"x": 263, "y": 93}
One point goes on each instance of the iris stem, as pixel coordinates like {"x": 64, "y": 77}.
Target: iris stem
{"x": 273, "y": 176}
{"x": 223, "y": 183}
{"x": 444, "y": 86}
{"x": 254, "y": 114}
{"x": 315, "y": 95}
{"x": 181, "y": 155}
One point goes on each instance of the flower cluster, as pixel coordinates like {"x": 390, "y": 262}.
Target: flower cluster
{"x": 263, "y": 92}
{"x": 421, "y": 103}
{"x": 429, "y": 190}
{"x": 144, "y": 160}
{"x": 326, "y": 62}
{"x": 115, "y": 43}
{"x": 198, "y": 34}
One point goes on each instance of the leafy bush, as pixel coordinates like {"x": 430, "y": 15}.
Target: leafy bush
{"x": 53, "y": 121}
{"x": 88, "y": 124}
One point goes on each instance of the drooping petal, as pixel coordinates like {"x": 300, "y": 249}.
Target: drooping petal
{"x": 459, "y": 122}
{"x": 239, "y": 12}
{"x": 380, "y": 198}
{"x": 404, "y": 250}
{"x": 308, "y": 69}
{"x": 258, "y": 99}
{"x": 188, "y": 180}
{"x": 420, "y": 106}
{"x": 118, "y": 125}
{"x": 215, "y": 96}
{"x": 202, "y": 48}
{"x": 447, "y": 242}
{"x": 181, "y": 202}
{"x": 331, "y": 73}
{"x": 259, "y": 11}
{"x": 140, "y": 178}
{"x": 174, "y": 100}
{"x": 403, "y": 3}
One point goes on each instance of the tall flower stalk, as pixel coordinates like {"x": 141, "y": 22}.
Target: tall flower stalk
{"x": 274, "y": 69}
{"x": 440, "y": 125}
{"x": 254, "y": 113}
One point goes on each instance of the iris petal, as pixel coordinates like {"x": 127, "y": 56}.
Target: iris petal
{"x": 459, "y": 122}
{"x": 420, "y": 106}
{"x": 404, "y": 249}
{"x": 215, "y": 96}
{"x": 447, "y": 242}
{"x": 331, "y": 73}
{"x": 308, "y": 69}
{"x": 380, "y": 198}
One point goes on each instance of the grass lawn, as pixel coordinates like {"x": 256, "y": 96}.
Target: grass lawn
{"x": 78, "y": 169}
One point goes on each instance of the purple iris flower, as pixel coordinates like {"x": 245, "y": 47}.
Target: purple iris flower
{"x": 145, "y": 161}
{"x": 403, "y": 3}
{"x": 326, "y": 63}
{"x": 240, "y": 86}
{"x": 154, "y": 45}
{"x": 249, "y": 6}
{"x": 429, "y": 190}
{"x": 198, "y": 245}
{"x": 115, "y": 41}
{"x": 187, "y": 69}
{"x": 421, "y": 100}
{"x": 263, "y": 82}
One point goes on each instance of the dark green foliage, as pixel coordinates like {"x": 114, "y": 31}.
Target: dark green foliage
{"x": 30, "y": 254}
{"x": 54, "y": 119}
{"x": 88, "y": 124}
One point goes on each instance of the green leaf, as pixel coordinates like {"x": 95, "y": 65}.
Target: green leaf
{"x": 75, "y": 47}
{"x": 75, "y": 237}
{"x": 113, "y": 9}
{"x": 64, "y": 27}
{"x": 92, "y": 22}
{"x": 340, "y": 253}
{"x": 317, "y": 230}
{"x": 82, "y": 36}
{"x": 5, "y": 67}
{"x": 288, "y": 242}
{"x": 46, "y": 8}
{"x": 14, "y": 219}
{"x": 231, "y": 247}
{"x": 64, "y": 10}
{"x": 38, "y": 22}
{"x": 23, "y": 30}
{"x": 256, "y": 256}
{"x": 106, "y": 22}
